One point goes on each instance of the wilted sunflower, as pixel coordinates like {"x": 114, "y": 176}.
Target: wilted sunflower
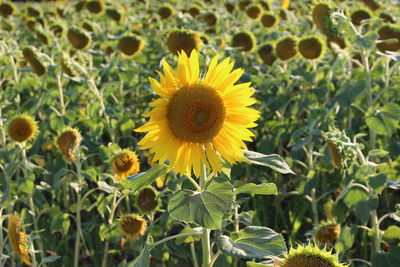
{"x": 7, "y": 9}
{"x": 267, "y": 54}
{"x": 166, "y": 11}
{"x": 18, "y": 239}
{"x": 132, "y": 226}
{"x": 30, "y": 54}
{"x": 253, "y": 11}
{"x": 311, "y": 47}
{"x": 87, "y": 26}
{"x": 95, "y": 7}
{"x": 245, "y": 40}
{"x": 269, "y": 20}
{"x": 33, "y": 12}
{"x": 371, "y": 4}
{"x": 22, "y": 128}
{"x": 78, "y": 38}
{"x": 310, "y": 256}
{"x": 359, "y": 15}
{"x": 147, "y": 200}
{"x": 66, "y": 66}
{"x": 199, "y": 119}
{"x": 130, "y": 45}
{"x": 179, "y": 40}
{"x": 327, "y": 232}
{"x": 286, "y": 48}
{"x": 68, "y": 141}
{"x": 125, "y": 164}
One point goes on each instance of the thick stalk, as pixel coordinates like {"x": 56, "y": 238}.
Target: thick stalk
{"x": 78, "y": 213}
{"x": 235, "y": 226}
{"x": 194, "y": 256}
{"x": 205, "y": 237}
{"x": 376, "y": 244}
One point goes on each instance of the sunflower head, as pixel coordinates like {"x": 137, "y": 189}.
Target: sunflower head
{"x": 78, "y": 38}
{"x": 66, "y": 66}
{"x": 244, "y": 40}
{"x": 253, "y": 11}
{"x": 269, "y": 20}
{"x": 311, "y": 47}
{"x": 147, "y": 200}
{"x": 124, "y": 164}
{"x": 267, "y": 54}
{"x": 22, "y": 128}
{"x": 321, "y": 15}
{"x": 43, "y": 37}
{"x": 68, "y": 141}
{"x": 199, "y": 119}
{"x": 31, "y": 24}
{"x": 327, "y": 232}
{"x": 30, "y": 55}
{"x": 80, "y": 5}
{"x": 387, "y": 32}
{"x": 179, "y": 40}
{"x": 130, "y": 45}
{"x": 209, "y": 18}
{"x": 194, "y": 10}
{"x": 87, "y": 26}
{"x": 132, "y": 226}
{"x": 58, "y": 29}
{"x": 18, "y": 239}
{"x": 230, "y": 7}
{"x": 310, "y": 256}
{"x": 359, "y": 15}
{"x": 286, "y": 48}
{"x": 387, "y": 17}
{"x": 243, "y": 4}
{"x": 96, "y": 6}
{"x": 114, "y": 14}
{"x": 371, "y": 4}
{"x": 166, "y": 11}
{"x": 32, "y": 11}
{"x": 7, "y": 9}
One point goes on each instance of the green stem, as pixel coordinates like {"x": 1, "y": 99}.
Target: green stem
{"x": 110, "y": 221}
{"x": 155, "y": 244}
{"x": 205, "y": 238}
{"x": 78, "y": 213}
{"x": 314, "y": 206}
{"x": 194, "y": 256}
{"x": 61, "y": 93}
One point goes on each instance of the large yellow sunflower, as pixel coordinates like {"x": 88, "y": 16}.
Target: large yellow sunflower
{"x": 199, "y": 119}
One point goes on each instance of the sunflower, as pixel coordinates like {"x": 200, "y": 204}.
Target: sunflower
{"x": 147, "y": 200}
{"x": 387, "y": 18}
{"x": 58, "y": 29}
{"x": 125, "y": 164}
{"x": 66, "y": 66}
{"x": 243, "y": 4}
{"x": 78, "y": 38}
{"x": 199, "y": 119}
{"x": 326, "y": 232}
{"x": 387, "y": 32}
{"x": 269, "y": 20}
{"x": 230, "y": 7}
{"x": 22, "y": 128}
{"x": 95, "y": 7}
{"x": 310, "y": 256}
{"x": 30, "y": 54}
{"x": 130, "y": 44}
{"x": 68, "y": 141}
{"x": 244, "y": 40}
{"x": 253, "y": 11}
{"x": 132, "y": 226}
{"x": 359, "y": 15}
{"x": 311, "y": 47}
{"x": 114, "y": 14}
{"x": 179, "y": 40}
{"x": 18, "y": 240}
{"x": 267, "y": 54}
{"x": 194, "y": 10}
{"x": 286, "y": 48}
{"x": 209, "y": 18}
{"x": 7, "y": 9}
{"x": 166, "y": 11}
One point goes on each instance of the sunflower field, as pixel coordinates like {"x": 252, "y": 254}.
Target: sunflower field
{"x": 200, "y": 133}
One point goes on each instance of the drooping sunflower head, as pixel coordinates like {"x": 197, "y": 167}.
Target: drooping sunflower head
{"x": 321, "y": 14}
{"x": 43, "y": 37}
{"x": 269, "y": 20}
{"x": 327, "y": 232}
{"x": 166, "y": 11}
{"x": 199, "y": 119}
{"x": 267, "y": 54}
{"x": 22, "y": 128}
{"x": 357, "y": 16}
{"x": 7, "y": 9}
{"x": 243, "y": 4}
{"x": 124, "y": 164}
{"x": 31, "y": 55}
{"x": 58, "y": 29}
{"x": 132, "y": 226}
{"x": 286, "y": 48}
{"x": 18, "y": 239}
{"x": 78, "y": 38}
{"x": 66, "y": 66}
{"x": 310, "y": 256}
{"x": 179, "y": 40}
{"x": 87, "y": 26}
{"x": 194, "y": 10}
{"x": 96, "y": 6}
{"x": 387, "y": 32}
{"x": 32, "y": 11}
{"x": 68, "y": 141}
{"x": 209, "y": 18}
{"x": 147, "y": 200}
{"x": 114, "y": 14}
{"x": 311, "y": 47}
{"x": 130, "y": 45}
{"x": 387, "y": 17}
{"x": 253, "y": 11}
{"x": 244, "y": 40}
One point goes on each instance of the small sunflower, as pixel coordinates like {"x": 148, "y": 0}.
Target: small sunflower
{"x": 387, "y": 32}
{"x": 310, "y": 256}
{"x": 359, "y": 15}
{"x": 199, "y": 119}
{"x": 269, "y": 20}
{"x": 311, "y": 47}
{"x": 18, "y": 239}
{"x": 166, "y": 11}
{"x": 209, "y": 18}
{"x": 194, "y": 10}
{"x": 130, "y": 45}
{"x": 78, "y": 38}
{"x": 58, "y": 29}
{"x": 95, "y": 7}
{"x": 43, "y": 37}
{"x": 66, "y": 66}
{"x": 327, "y": 232}
{"x": 321, "y": 16}
{"x": 253, "y": 11}
{"x": 179, "y": 40}
{"x": 30, "y": 54}
{"x": 132, "y": 226}
{"x": 387, "y": 17}
{"x": 22, "y": 128}
{"x": 33, "y": 12}
{"x": 147, "y": 200}
{"x": 125, "y": 164}
{"x": 286, "y": 48}
{"x": 114, "y": 14}
{"x": 371, "y": 4}
{"x": 267, "y": 54}
{"x": 7, "y": 9}
{"x": 243, "y": 4}
{"x": 245, "y": 40}
{"x": 68, "y": 141}
{"x": 87, "y": 26}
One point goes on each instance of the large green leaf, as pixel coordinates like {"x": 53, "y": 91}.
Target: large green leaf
{"x": 259, "y": 189}
{"x": 140, "y": 180}
{"x": 392, "y": 233}
{"x": 354, "y": 195}
{"x": 363, "y": 208}
{"x": 253, "y": 242}
{"x": 143, "y": 260}
{"x": 205, "y": 208}
{"x": 272, "y": 161}
{"x": 389, "y": 259}
{"x": 345, "y": 240}
{"x": 385, "y": 120}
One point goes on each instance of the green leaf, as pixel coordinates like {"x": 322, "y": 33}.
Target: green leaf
{"x": 188, "y": 239}
{"x": 48, "y": 259}
{"x": 354, "y": 195}
{"x": 389, "y": 259}
{"x": 392, "y": 233}
{"x": 143, "y": 260}
{"x": 205, "y": 208}
{"x": 345, "y": 240}
{"x": 258, "y": 189}
{"x": 106, "y": 187}
{"x": 272, "y": 161}
{"x": 378, "y": 182}
{"x": 363, "y": 209}
{"x": 140, "y": 180}
{"x": 377, "y": 153}
{"x": 385, "y": 120}
{"x": 107, "y": 231}
{"x": 253, "y": 242}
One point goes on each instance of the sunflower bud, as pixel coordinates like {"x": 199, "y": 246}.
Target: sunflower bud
{"x": 327, "y": 232}
{"x": 68, "y": 141}
{"x": 179, "y": 40}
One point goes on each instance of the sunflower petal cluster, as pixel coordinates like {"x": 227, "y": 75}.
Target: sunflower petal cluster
{"x": 18, "y": 239}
